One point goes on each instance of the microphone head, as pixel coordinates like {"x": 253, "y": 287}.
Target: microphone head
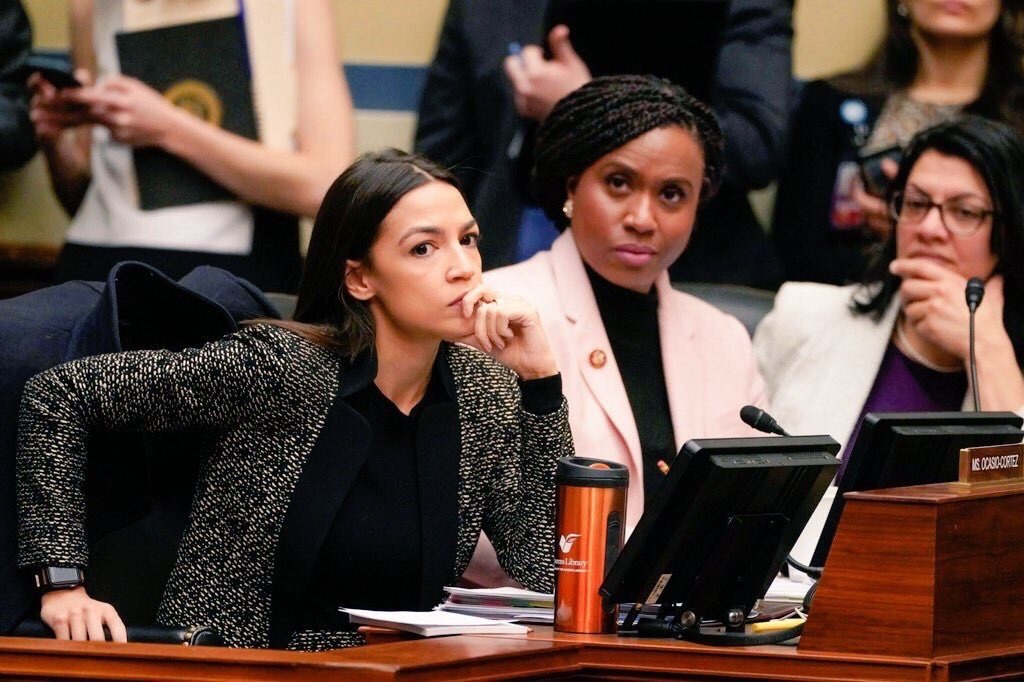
{"x": 751, "y": 416}
{"x": 759, "y": 420}
{"x": 974, "y": 292}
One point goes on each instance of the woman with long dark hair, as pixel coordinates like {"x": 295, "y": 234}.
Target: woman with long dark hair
{"x": 938, "y": 61}
{"x": 900, "y": 341}
{"x": 355, "y": 453}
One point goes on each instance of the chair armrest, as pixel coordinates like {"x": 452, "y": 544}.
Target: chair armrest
{"x": 195, "y": 635}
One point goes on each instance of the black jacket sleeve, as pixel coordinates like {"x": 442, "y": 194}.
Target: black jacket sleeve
{"x": 208, "y": 388}
{"x": 17, "y": 137}
{"x": 752, "y": 90}
{"x": 446, "y": 128}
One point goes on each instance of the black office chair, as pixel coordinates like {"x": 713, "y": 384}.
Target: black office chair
{"x": 197, "y": 635}
{"x": 746, "y": 304}
{"x": 285, "y": 303}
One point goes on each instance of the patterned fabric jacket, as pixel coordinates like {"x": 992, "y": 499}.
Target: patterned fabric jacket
{"x": 284, "y": 450}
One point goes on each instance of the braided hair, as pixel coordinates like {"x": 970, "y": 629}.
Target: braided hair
{"x": 607, "y": 113}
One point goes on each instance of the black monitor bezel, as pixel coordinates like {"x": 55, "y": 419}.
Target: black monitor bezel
{"x": 877, "y": 434}
{"x": 669, "y": 519}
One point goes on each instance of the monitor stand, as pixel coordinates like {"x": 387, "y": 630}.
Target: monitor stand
{"x": 744, "y": 553}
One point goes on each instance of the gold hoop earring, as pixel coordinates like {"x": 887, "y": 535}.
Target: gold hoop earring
{"x": 567, "y": 209}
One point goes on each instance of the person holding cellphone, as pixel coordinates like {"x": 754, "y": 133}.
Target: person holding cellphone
{"x": 899, "y": 341}
{"x": 355, "y": 453}
{"x": 88, "y": 135}
{"x": 937, "y": 60}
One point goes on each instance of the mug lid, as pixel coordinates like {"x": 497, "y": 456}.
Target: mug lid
{"x": 589, "y": 471}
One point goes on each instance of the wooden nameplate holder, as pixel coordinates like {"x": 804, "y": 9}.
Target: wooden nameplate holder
{"x": 929, "y": 571}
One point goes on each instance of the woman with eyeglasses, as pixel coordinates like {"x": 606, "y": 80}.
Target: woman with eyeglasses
{"x": 938, "y": 60}
{"x": 899, "y": 341}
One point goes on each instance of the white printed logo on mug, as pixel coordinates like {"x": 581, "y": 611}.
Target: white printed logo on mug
{"x": 566, "y": 541}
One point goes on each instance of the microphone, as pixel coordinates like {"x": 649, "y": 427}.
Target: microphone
{"x": 974, "y": 292}
{"x": 756, "y": 418}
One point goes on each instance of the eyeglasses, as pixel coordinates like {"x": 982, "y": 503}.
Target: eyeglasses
{"x": 960, "y": 217}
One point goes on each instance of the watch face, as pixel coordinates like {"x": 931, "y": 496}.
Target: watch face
{"x": 60, "y": 575}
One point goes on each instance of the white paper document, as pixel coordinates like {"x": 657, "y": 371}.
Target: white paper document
{"x": 434, "y": 623}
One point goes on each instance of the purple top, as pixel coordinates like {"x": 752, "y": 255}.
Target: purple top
{"x": 903, "y": 385}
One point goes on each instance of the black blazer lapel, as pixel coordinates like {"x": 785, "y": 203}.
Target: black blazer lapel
{"x": 327, "y": 476}
{"x": 438, "y": 473}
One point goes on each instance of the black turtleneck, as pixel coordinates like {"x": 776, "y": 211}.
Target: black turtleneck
{"x": 631, "y": 322}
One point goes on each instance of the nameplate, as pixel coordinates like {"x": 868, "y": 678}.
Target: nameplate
{"x": 992, "y": 464}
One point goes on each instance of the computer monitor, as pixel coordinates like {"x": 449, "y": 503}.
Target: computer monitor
{"x": 718, "y": 529}
{"x": 895, "y": 449}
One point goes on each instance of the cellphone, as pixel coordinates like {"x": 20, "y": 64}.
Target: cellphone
{"x": 876, "y": 182}
{"x": 54, "y": 69}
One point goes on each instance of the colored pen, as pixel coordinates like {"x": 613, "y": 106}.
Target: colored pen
{"x": 516, "y": 50}
{"x": 775, "y": 625}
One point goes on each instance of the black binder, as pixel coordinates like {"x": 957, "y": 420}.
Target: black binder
{"x": 194, "y": 60}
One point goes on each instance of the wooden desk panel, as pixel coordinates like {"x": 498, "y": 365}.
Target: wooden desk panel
{"x": 541, "y": 654}
{"x": 929, "y": 571}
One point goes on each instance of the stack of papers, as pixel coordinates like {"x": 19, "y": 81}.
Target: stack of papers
{"x": 434, "y": 623}
{"x": 787, "y": 590}
{"x": 504, "y": 603}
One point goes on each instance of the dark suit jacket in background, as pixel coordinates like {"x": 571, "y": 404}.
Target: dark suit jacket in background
{"x": 17, "y": 137}
{"x": 467, "y": 120}
{"x": 809, "y": 247}
{"x": 136, "y": 308}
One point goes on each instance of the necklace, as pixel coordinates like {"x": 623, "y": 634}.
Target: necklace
{"x": 904, "y": 344}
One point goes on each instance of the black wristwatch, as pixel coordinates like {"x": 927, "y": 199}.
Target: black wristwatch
{"x": 47, "y": 578}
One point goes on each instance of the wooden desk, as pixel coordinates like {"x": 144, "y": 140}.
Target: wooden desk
{"x": 541, "y": 654}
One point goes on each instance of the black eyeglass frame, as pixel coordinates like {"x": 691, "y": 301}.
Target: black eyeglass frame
{"x": 896, "y": 204}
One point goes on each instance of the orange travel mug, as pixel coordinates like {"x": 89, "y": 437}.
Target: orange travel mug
{"x": 590, "y": 515}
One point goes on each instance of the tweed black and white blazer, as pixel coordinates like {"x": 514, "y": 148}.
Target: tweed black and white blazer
{"x": 284, "y": 450}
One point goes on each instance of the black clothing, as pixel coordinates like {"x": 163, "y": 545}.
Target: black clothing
{"x": 17, "y": 136}
{"x": 631, "y": 322}
{"x": 283, "y": 453}
{"x": 467, "y": 121}
{"x": 810, "y": 248}
{"x": 372, "y": 555}
{"x": 273, "y": 263}
{"x": 139, "y": 486}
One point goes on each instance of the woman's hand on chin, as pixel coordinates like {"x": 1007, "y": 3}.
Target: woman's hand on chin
{"x": 509, "y": 329}
{"x": 934, "y": 304}
{"x": 73, "y": 614}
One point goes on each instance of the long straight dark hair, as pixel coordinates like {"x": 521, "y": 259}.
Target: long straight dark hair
{"x": 346, "y": 226}
{"x": 894, "y": 65}
{"x": 996, "y": 151}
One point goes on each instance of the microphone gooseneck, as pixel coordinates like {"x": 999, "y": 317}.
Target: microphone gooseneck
{"x": 756, "y": 418}
{"x": 974, "y": 292}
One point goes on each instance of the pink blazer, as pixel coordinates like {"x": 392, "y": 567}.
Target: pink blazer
{"x": 709, "y": 365}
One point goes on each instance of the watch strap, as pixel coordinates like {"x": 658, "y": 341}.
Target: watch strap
{"x": 47, "y": 578}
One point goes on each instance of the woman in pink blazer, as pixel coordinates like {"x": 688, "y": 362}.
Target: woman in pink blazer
{"x": 622, "y": 165}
